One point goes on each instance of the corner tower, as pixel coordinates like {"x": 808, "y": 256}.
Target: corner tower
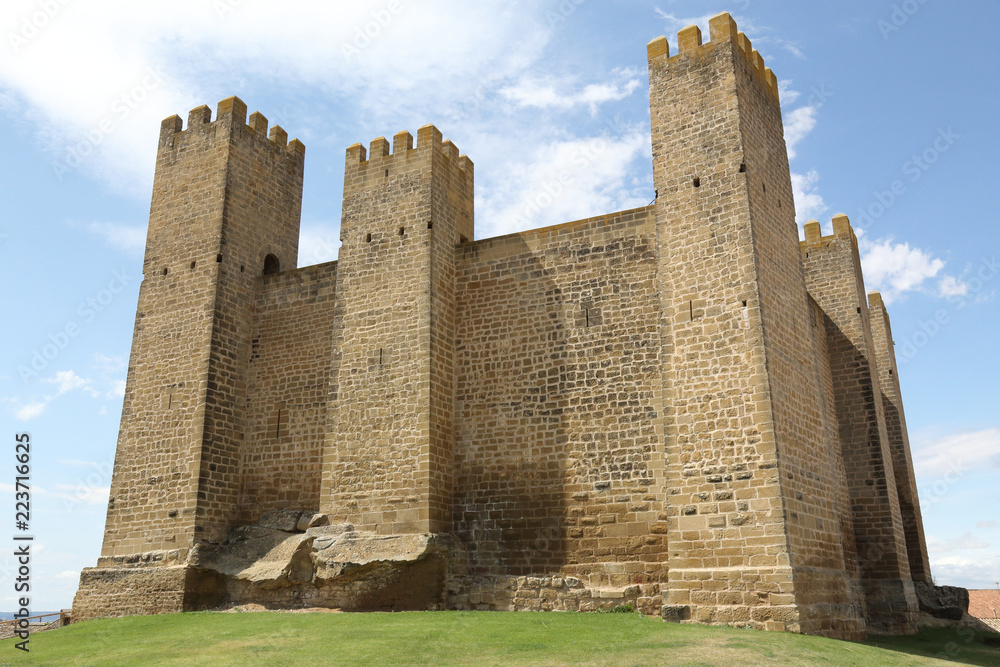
{"x": 226, "y": 203}
{"x": 755, "y": 537}
{"x": 388, "y": 461}
{"x": 878, "y": 492}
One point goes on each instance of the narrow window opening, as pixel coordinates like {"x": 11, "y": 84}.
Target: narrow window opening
{"x": 691, "y": 310}
{"x": 193, "y": 264}
{"x": 243, "y": 268}
{"x": 462, "y": 239}
{"x": 402, "y": 231}
{"x": 859, "y": 310}
{"x": 218, "y": 258}
{"x": 380, "y": 356}
{"x": 170, "y": 401}
{"x": 277, "y": 426}
{"x": 166, "y": 271}
{"x": 890, "y": 371}
{"x": 387, "y": 173}
{"x": 743, "y": 168}
{"x": 744, "y": 304}
{"x": 271, "y": 265}
{"x": 765, "y": 188}
{"x": 697, "y": 182}
{"x": 588, "y": 315}
{"x": 369, "y": 238}
{"x": 430, "y": 225}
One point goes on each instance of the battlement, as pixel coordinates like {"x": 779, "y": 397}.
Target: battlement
{"x": 841, "y": 230}
{"x": 722, "y": 28}
{"x": 231, "y": 111}
{"x": 429, "y": 143}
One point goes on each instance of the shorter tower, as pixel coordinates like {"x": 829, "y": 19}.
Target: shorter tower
{"x": 388, "y": 461}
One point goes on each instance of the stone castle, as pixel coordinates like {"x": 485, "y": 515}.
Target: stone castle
{"x": 680, "y": 407}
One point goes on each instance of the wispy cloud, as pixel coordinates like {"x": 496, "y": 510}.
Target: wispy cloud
{"x": 554, "y": 93}
{"x": 965, "y": 451}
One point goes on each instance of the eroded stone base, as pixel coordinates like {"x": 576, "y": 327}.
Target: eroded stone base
{"x": 144, "y": 590}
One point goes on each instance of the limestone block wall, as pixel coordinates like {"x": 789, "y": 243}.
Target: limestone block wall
{"x": 558, "y": 467}
{"x": 291, "y": 350}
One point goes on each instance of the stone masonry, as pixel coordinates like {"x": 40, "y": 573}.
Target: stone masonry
{"x": 680, "y": 407}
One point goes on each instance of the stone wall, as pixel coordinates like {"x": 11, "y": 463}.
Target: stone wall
{"x": 290, "y": 355}
{"x": 557, "y": 406}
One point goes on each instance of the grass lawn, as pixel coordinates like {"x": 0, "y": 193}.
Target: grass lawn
{"x": 465, "y": 638}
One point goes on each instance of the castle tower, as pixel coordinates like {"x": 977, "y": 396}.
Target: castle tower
{"x": 225, "y": 209}
{"x": 899, "y": 440}
{"x": 833, "y": 273}
{"x": 752, "y": 483}
{"x": 388, "y": 461}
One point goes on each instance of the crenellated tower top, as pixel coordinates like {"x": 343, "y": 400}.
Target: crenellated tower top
{"x": 231, "y": 112}
{"x": 722, "y": 27}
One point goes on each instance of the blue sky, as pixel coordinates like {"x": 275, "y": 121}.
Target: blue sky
{"x": 890, "y": 115}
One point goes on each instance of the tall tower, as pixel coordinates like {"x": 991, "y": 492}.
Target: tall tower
{"x": 226, "y": 203}
{"x": 752, "y": 483}
{"x": 388, "y": 461}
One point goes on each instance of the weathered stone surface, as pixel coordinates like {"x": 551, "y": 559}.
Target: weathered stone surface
{"x": 286, "y": 520}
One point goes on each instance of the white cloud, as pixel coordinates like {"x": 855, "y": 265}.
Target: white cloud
{"x": 564, "y": 181}
{"x": 127, "y": 238}
{"x": 809, "y": 203}
{"x": 952, "y": 286}
{"x": 786, "y": 93}
{"x": 798, "y": 124}
{"x": 975, "y": 571}
{"x": 958, "y": 453}
{"x": 68, "y": 574}
{"x": 29, "y": 411}
{"x": 67, "y": 381}
{"x": 986, "y": 525}
{"x": 546, "y": 93}
{"x": 895, "y": 268}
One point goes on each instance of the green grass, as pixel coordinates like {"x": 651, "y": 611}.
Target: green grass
{"x": 464, "y": 638}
